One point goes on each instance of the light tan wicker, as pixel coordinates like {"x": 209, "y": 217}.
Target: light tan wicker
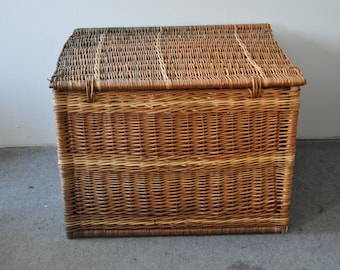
{"x": 175, "y": 130}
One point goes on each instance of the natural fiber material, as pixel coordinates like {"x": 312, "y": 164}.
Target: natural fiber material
{"x": 175, "y": 130}
{"x": 174, "y": 58}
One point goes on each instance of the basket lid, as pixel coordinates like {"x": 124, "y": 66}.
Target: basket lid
{"x": 219, "y": 56}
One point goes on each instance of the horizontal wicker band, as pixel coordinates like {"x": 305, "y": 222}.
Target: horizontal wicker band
{"x": 159, "y": 222}
{"x": 158, "y": 164}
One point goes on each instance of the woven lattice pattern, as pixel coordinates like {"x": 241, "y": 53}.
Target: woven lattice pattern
{"x": 147, "y": 148}
{"x": 174, "y": 57}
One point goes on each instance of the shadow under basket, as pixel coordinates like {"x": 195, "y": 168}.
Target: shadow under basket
{"x": 175, "y": 130}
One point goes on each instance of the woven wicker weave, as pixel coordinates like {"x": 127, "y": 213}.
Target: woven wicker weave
{"x": 175, "y": 130}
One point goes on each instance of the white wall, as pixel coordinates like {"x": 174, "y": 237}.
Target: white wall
{"x": 33, "y": 33}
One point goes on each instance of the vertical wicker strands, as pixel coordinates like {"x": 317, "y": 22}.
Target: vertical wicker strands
{"x": 161, "y": 61}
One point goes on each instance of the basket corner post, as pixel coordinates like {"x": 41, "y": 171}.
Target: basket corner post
{"x": 284, "y": 229}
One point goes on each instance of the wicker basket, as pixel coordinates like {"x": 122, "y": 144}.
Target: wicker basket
{"x": 175, "y": 130}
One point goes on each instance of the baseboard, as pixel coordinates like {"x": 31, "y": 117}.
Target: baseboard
{"x": 54, "y": 145}
{"x": 28, "y": 145}
{"x": 318, "y": 138}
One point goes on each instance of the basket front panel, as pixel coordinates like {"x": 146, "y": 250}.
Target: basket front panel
{"x": 173, "y": 159}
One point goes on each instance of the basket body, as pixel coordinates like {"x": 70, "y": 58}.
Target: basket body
{"x": 175, "y": 160}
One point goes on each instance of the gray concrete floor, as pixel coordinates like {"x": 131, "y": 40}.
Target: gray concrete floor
{"x": 32, "y": 234}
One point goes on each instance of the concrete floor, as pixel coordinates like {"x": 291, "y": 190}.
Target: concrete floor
{"x": 32, "y": 231}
